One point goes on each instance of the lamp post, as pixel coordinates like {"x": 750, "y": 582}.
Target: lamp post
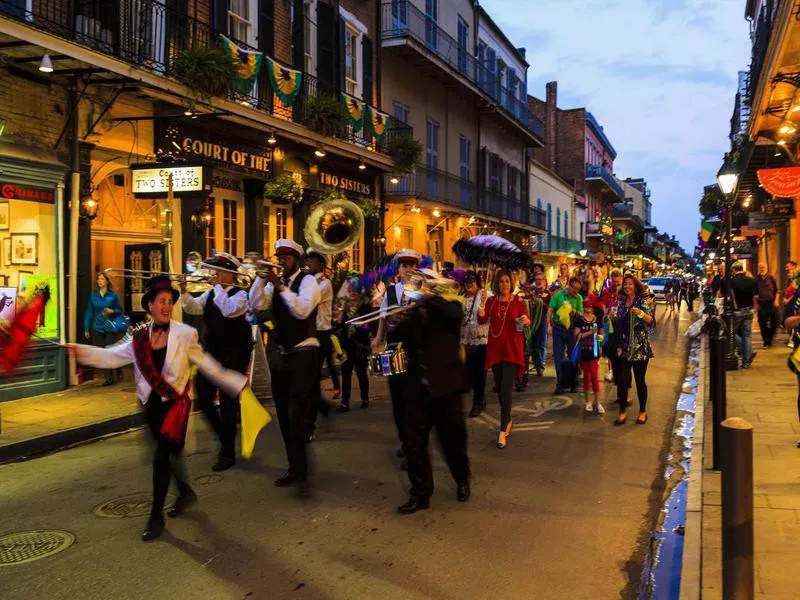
{"x": 727, "y": 178}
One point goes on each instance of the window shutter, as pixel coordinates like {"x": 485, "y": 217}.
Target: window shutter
{"x": 340, "y": 54}
{"x": 298, "y": 36}
{"x": 266, "y": 27}
{"x": 366, "y": 59}
{"x": 326, "y": 46}
{"x": 220, "y": 13}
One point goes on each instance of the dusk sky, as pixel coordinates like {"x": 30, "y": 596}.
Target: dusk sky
{"x": 659, "y": 75}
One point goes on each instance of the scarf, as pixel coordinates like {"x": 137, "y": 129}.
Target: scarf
{"x": 175, "y": 422}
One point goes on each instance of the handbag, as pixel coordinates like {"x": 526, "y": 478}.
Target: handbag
{"x": 118, "y": 324}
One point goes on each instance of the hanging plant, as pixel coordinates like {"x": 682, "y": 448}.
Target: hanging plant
{"x": 207, "y": 72}
{"x": 325, "y": 114}
{"x": 286, "y": 187}
{"x": 406, "y": 152}
{"x": 370, "y": 207}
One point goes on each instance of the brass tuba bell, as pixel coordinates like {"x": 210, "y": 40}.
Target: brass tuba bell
{"x": 334, "y": 226}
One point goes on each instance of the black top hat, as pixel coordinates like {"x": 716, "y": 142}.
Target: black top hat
{"x": 159, "y": 283}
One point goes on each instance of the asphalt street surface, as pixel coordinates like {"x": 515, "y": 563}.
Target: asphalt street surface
{"x": 563, "y": 512}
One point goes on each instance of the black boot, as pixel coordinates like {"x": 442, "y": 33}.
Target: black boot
{"x": 223, "y": 463}
{"x": 186, "y": 500}
{"x": 414, "y": 504}
{"x": 463, "y": 492}
{"x": 287, "y": 479}
{"x": 154, "y": 529}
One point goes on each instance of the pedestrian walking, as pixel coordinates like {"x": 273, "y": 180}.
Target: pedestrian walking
{"x": 505, "y": 356}
{"x": 767, "y": 304}
{"x": 355, "y": 341}
{"x": 632, "y": 321}
{"x": 559, "y": 320}
{"x": 609, "y": 299}
{"x": 588, "y": 335}
{"x": 475, "y": 337}
{"x": 162, "y": 353}
{"x": 541, "y": 306}
{"x": 744, "y": 295}
{"x": 100, "y": 321}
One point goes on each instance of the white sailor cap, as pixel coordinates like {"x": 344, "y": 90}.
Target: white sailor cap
{"x": 407, "y": 255}
{"x": 223, "y": 260}
{"x": 284, "y": 246}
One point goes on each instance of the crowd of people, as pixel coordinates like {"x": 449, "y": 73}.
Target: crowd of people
{"x": 436, "y": 347}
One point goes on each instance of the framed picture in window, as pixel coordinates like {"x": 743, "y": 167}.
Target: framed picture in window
{"x": 8, "y": 303}
{"x": 24, "y": 248}
{"x": 22, "y": 288}
{"x": 7, "y": 252}
{"x": 5, "y": 216}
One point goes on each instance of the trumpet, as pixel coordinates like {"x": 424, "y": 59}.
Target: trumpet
{"x": 196, "y": 277}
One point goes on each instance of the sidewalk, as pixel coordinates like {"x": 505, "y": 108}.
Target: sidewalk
{"x": 764, "y": 395}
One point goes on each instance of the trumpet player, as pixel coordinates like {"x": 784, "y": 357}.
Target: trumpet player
{"x": 293, "y": 297}
{"x": 228, "y": 338}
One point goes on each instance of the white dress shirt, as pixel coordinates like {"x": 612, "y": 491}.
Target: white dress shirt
{"x": 300, "y": 305}
{"x": 229, "y": 306}
{"x": 325, "y": 307}
{"x": 399, "y": 289}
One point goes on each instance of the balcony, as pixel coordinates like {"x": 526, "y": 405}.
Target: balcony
{"x": 403, "y": 24}
{"x": 601, "y": 174}
{"x": 555, "y": 243}
{"x": 503, "y": 207}
{"x": 763, "y": 33}
{"x": 149, "y": 34}
{"x": 434, "y": 185}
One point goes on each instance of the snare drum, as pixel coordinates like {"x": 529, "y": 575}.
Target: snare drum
{"x": 391, "y": 361}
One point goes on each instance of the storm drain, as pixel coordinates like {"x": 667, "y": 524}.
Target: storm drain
{"x": 209, "y": 479}
{"x": 27, "y": 546}
{"x": 133, "y": 505}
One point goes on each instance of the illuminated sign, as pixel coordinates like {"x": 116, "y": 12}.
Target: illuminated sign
{"x": 156, "y": 180}
{"x": 11, "y": 191}
{"x": 256, "y": 161}
{"x": 345, "y": 184}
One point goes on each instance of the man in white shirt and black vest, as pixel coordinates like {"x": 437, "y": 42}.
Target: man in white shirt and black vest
{"x": 229, "y": 339}
{"x": 293, "y": 361}
{"x": 315, "y": 263}
{"x": 407, "y": 260}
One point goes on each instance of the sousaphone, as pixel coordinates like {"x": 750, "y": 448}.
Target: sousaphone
{"x": 334, "y": 226}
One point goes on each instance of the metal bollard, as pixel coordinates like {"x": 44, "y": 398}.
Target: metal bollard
{"x": 717, "y": 381}
{"x": 737, "y": 510}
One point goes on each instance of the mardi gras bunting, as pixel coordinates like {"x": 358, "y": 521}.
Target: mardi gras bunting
{"x": 378, "y": 121}
{"x": 285, "y": 82}
{"x": 355, "y": 111}
{"x": 248, "y": 61}
{"x": 706, "y": 229}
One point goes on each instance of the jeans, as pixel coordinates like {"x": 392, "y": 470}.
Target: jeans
{"x": 504, "y": 375}
{"x": 767, "y": 321}
{"x": 743, "y": 327}
{"x": 539, "y": 347}
{"x": 561, "y": 348}
{"x": 476, "y": 365}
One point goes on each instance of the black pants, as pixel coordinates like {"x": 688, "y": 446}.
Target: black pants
{"x": 318, "y": 404}
{"x": 103, "y": 339}
{"x": 167, "y": 461}
{"x": 359, "y": 365}
{"x": 505, "y": 373}
{"x": 397, "y": 390}
{"x": 293, "y": 391}
{"x": 225, "y": 419}
{"x": 476, "y": 365}
{"x": 639, "y": 368}
{"x": 767, "y": 321}
{"x": 446, "y": 414}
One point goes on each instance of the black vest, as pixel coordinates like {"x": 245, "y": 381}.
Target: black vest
{"x": 289, "y": 330}
{"x": 225, "y": 335}
{"x": 392, "y": 300}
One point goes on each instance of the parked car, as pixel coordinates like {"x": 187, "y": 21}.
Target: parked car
{"x": 656, "y": 285}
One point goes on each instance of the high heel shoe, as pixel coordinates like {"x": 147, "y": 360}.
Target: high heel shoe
{"x": 501, "y": 440}
{"x": 509, "y": 427}
{"x": 621, "y": 419}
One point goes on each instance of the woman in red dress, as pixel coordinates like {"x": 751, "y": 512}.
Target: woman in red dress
{"x": 507, "y": 317}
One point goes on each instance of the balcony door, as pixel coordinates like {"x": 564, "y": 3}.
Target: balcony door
{"x": 399, "y": 16}
{"x": 432, "y": 23}
{"x": 463, "y": 45}
{"x": 465, "y": 195}
{"x": 432, "y": 157}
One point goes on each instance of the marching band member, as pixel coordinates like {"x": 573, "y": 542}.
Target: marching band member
{"x": 161, "y": 353}
{"x": 407, "y": 260}
{"x": 315, "y": 264}
{"x": 229, "y": 339}
{"x": 294, "y": 359}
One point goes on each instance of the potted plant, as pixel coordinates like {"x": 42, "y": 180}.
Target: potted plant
{"x": 207, "y": 72}
{"x": 286, "y": 187}
{"x": 325, "y": 114}
{"x": 406, "y": 152}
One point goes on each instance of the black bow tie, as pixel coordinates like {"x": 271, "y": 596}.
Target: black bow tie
{"x": 157, "y": 327}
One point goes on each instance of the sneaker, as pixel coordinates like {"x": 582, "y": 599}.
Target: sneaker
{"x": 588, "y": 406}
{"x": 599, "y": 409}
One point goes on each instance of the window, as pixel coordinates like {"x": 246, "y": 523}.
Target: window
{"x": 431, "y": 26}
{"x": 549, "y": 218}
{"x": 491, "y": 65}
{"x": 481, "y": 66}
{"x": 310, "y": 36}
{"x": 511, "y": 85}
{"x": 464, "y": 145}
{"x": 432, "y": 145}
{"x": 566, "y": 225}
{"x": 400, "y": 15}
{"x": 239, "y": 24}
{"x": 463, "y": 44}
{"x": 229, "y": 223}
{"x": 558, "y": 222}
{"x": 352, "y": 47}
{"x": 500, "y": 75}
{"x": 211, "y": 240}
{"x": 511, "y": 185}
{"x": 280, "y": 223}
{"x": 400, "y": 111}
{"x": 267, "y": 247}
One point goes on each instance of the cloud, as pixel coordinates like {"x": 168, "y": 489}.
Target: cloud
{"x": 659, "y": 75}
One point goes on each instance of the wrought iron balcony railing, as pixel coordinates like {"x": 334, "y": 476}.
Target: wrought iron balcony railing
{"x": 600, "y": 173}
{"x": 763, "y": 33}
{"x": 151, "y": 34}
{"x": 554, "y": 243}
{"x": 401, "y": 19}
{"x": 438, "y": 186}
{"x": 499, "y": 205}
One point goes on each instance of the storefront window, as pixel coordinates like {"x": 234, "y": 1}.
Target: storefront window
{"x": 28, "y": 250}
{"x": 229, "y": 226}
{"x": 267, "y": 250}
{"x": 280, "y": 223}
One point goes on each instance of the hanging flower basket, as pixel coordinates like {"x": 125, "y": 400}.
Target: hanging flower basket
{"x": 207, "y": 72}
{"x": 406, "y": 152}
{"x": 287, "y": 187}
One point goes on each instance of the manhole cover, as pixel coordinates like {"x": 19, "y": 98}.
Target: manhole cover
{"x": 134, "y": 505}
{"x": 27, "y": 546}
{"x": 207, "y": 479}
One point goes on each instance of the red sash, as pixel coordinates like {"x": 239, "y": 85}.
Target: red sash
{"x": 177, "y": 419}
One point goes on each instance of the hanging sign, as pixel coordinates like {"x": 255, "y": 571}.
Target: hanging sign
{"x": 779, "y": 208}
{"x": 156, "y": 180}
{"x": 345, "y": 183}
{"x": 783, "y": 182}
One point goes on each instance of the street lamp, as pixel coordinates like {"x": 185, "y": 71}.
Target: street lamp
{"x": 727, "y": 178}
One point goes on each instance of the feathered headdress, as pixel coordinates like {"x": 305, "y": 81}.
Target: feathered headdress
{"x": 385, "y": 269}
{"x": 491, "y": 249}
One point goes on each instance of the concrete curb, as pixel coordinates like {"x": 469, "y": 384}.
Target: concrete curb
{"x": 691, "y": 568}
{"x": 70, "y": 437}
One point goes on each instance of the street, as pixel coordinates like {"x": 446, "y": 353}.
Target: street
{"x": 564, "y": 511}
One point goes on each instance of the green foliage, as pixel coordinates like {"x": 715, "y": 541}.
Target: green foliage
{"x": 325, "y": 114}
{"x": 406, "y": 152}
{"x": 207, "y": 72}
{"x": 711, "y": 202}
{"x": 285, "y": 187}
{"x": 370, "y": 207}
